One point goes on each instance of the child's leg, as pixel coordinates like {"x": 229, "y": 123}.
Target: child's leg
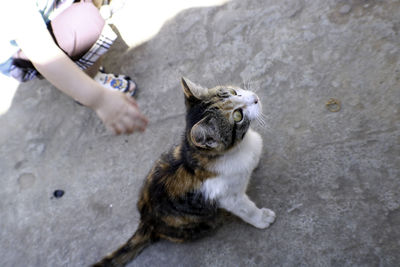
{"x": 81, "y": 33}
{"x": 77, "y": 28}
{"x": 75, "y": 31}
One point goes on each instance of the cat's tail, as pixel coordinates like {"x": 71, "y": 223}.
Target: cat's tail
{"x": 130, "y": 250}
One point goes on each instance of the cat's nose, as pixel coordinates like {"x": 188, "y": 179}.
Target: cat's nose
{"x": 255, "y": 99}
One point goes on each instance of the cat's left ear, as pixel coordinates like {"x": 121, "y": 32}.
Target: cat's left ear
{"x": 190, "y": 89}
{"x": 204, "y": 134}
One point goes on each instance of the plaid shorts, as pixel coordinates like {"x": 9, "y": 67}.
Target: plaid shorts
{"x": 103, "y": 43}
{"x": 106, "y": 39}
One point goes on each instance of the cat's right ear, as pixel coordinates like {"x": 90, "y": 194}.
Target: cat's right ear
{"x": 204, "y": 135}
{"x": 192, "y": 90}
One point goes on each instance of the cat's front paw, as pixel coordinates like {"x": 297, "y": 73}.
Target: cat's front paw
{"x": 267, "y": 217}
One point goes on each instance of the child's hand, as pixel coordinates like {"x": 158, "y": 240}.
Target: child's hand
{"x": 120, "y": 113}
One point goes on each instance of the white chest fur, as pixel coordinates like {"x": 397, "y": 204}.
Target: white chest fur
{"x": 234, "y": 168}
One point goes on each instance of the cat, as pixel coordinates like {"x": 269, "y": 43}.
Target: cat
{"x": 205, "y": 175}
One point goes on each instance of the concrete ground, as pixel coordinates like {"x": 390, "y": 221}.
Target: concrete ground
{"x": 333, "y": 178}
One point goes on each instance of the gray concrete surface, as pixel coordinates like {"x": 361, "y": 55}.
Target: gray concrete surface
{"x": 333, "y": 179}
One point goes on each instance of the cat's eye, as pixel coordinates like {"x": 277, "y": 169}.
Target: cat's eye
{"x": 237, "y": 115}
{"x": 233, "y": 92}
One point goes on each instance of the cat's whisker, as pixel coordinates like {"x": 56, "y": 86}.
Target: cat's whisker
{"x": 248, "y": 85}
{"x": 262, "y": 120}
{"x": 253, "y": 88}
{"x": 219, "y": 82}
{"x": 264, "y": 117}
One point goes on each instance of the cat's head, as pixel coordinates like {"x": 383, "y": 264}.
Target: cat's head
{"x": 218, "y": 118}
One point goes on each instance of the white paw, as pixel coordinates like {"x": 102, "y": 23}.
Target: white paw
{"x": 267, "y": 217}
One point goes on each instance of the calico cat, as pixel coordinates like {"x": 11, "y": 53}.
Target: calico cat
{"x": 205, "y": 174}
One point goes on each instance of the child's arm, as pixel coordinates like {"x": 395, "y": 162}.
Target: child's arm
{"x": 118, "y": 111}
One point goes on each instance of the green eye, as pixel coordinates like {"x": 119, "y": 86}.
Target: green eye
{"x": 237, "y": 115}
{"x": 233, "y": 92}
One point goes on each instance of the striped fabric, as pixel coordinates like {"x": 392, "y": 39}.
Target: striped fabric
{"x": 106, "y": 39}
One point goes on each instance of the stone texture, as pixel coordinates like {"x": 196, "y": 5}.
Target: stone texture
{"x": 333, "y": 179}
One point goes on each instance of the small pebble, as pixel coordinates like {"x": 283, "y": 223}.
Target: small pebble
{"x": 333, "y": 105}
{"x": 297, "y": 125}
{"x": 58, "y": 193}
{"x": 345, "y": 9}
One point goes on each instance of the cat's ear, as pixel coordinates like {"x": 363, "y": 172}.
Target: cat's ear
{"x": 190, "y": 89}
{"x": 204, "y": 134}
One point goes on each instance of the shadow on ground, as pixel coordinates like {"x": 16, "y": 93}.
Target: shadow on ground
{"x": 331, "y": 177}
